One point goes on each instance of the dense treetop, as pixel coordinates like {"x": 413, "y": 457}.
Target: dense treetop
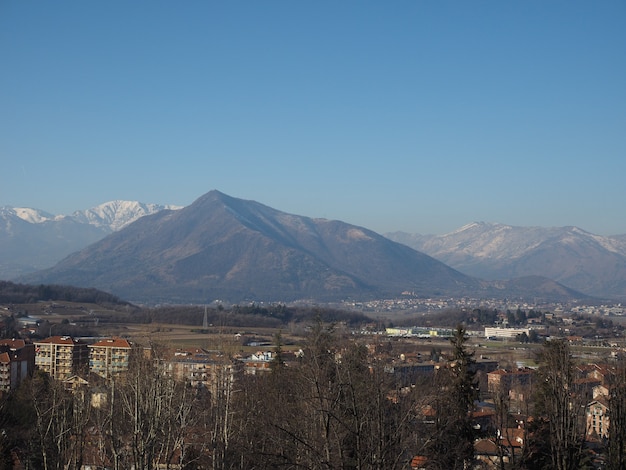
{"x": 24, "y": 293}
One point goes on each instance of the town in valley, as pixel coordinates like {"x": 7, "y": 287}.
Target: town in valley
{"x": 405, "y": 349}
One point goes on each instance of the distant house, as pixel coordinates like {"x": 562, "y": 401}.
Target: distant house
{"x": 75, "y": 382}
{"x": 258, "y": 362}
{"x": 575, "y": 339}
{"x": 484, "y": 365}
{"x": 513, "y": 439}
{"x": 598, "y": 418}
{"x": 600, "y": 391}
{"x": 585, "y": 386}
{"x": 419, "y": 462}
{"x": 109, "y": 357}
{"x": 516, "y": 384}
{"x": 199, "y": 368}
{"x": 504, "y": 380}
{"x": 61, "y": 356}
{"x": 408, "y": 373}
{"x": 17, "y": 362}
{"x": 600, "y": 372}
{"x": 483, "y": 418}
{"x": 509, "y": 333}
{"x": 487, "y": 452}
{"x": 28, "y": 321}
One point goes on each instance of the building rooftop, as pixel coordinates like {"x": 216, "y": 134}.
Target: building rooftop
{"x": 112, "y": 343}
{"x": 60, "y": 340}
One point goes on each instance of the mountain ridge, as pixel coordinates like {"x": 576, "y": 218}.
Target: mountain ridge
{"x": 301, "y": 234}
{"x": 230, "y": 249}
{"x": 589, "y": 263}
{"x": 116, "y": 214}
{"x": 32, "y": 239}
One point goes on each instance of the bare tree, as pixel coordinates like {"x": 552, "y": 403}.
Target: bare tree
{"x": 61, "y": 417}
{"x": 376, "y": 415}
{"x": 562, "y": 402}
{"x": 177, "y": 419}
{"x": 109, "y": 425}
{"x": 617, "y": 417}
{"x": 502, "y": 405}
{"x": 335, "y": 410}
{"x": 220, "y": 417}
{"x": 158, "y": 412}
{"x": 318, "y": 378}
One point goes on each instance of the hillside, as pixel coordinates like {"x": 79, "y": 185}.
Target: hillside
{"x": 586, "y": 262}
{"x": 225, "y": 248}
{"x": 32, "y": 239}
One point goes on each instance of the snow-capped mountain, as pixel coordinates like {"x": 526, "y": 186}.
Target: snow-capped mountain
{"x": 32, "y": 239}
{"x": 221, "y": 247}
{"x": 590, "y": 263}
{"x": 34, "y": 216}
{"x": 117, "y": 214}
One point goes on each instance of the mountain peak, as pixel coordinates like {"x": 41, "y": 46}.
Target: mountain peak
{"x": 118, "y": 213}
{"x": 32, "y": 239}
{"x": 213, "y": 195}
{"x": 474, "y": 225}
{"x": 33, "y": 216}
{"x": 590, "y": 263}
{"x": 234, "y": 249}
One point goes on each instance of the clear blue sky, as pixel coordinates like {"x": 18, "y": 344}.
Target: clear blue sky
{"x": 418, "y": 115}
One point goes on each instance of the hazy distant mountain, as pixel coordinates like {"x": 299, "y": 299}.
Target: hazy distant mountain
{"x": 534, "y": 288}
{"x": 31, "y": 239}
{"x": 586, "y": 262}
{"x": 225, "y": 248}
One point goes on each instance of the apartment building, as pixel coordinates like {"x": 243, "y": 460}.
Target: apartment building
{"x": 598, "y": 418}
{"x": 258, "y": 362}
{"x": 61, "y": 356}
{"x": 200, "y": 368}
{"x": 109, "y": 357}
{"x": 505, "y": 380}
{"x": 517, "y": 384}
{"x": 17, "y": 362}
{"x": 509, "y": 333}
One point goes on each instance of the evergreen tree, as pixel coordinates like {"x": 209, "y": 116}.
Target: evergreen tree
{"x": 278, "y": 361}
{"x": 452, "y": 446}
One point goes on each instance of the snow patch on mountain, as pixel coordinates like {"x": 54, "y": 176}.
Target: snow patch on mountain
{"x": 111, "y": 216}
{"x": 469, "y": 227}
{"x": 481, "y": 240}
{"x": 118, "y": 214}
{"x": 590, "y": 263}
{"x": 357, "y": 234}
{"x": 33, "y": 216}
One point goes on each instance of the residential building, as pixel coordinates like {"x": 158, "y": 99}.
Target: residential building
{"x": 600, "y": 372}
{"x": 61, "y": 356}
{"x": 109, "y": 357}
{"x": 516, "y": 384}
{"x": 409, "y": 373}
{"x": 598, "y": 418}
{"x": 504, "y": 380}
{"x": 487, "y": 452}
{"x": 258, "y": 362}
{"x": 191, "y": 365}
{"x": 513, "y": 440}
{"x": 419, "y": 462}
{"x": 17, "y": 362}
{"x": 510, "y": 333}
{"x": 600, "y": 391}
{"x": 200, "y": 368}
